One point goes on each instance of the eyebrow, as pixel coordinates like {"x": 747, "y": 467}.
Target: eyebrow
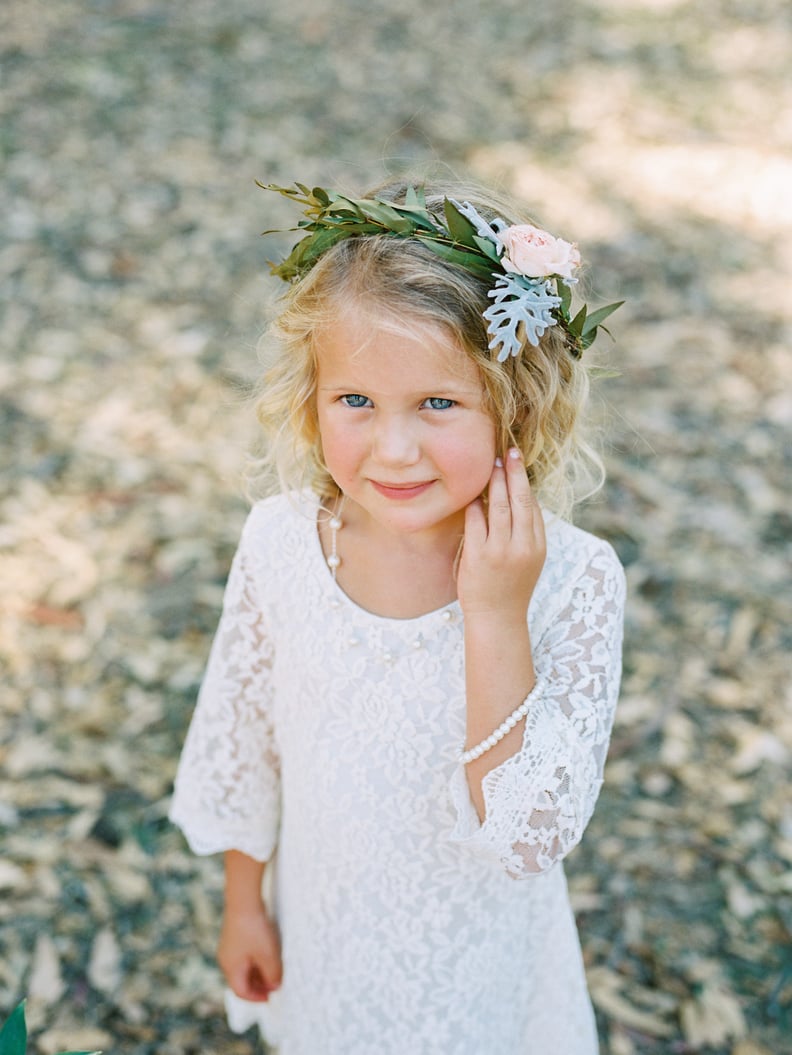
{"x": 450, "y": 387}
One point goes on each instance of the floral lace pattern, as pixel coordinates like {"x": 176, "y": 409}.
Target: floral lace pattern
{"x": 326, "y": 739}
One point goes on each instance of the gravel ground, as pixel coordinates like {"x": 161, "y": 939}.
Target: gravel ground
{"x": 134, "y": 290}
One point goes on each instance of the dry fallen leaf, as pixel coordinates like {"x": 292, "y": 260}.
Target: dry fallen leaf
{"x": 104, "y": 968}
{"x": 132, "y": 304}
{"x": 607, "y": 992}
{"x": 712, "y": 1018}
{"x": 45, "y": 983}
{"x": 74, "y": 1038}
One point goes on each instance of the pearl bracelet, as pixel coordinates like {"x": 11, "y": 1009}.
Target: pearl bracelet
{"x": 505, "y": 727}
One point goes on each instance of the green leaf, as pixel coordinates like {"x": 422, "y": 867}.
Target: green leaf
{"x": 278, "y": 230}
{"x": 385, "y": 214}
{"x": 287, "y": 192}
{"x": 565, "y": 293}
{"x": 489, "y": 249}
{"x": 469, "y": 261}
{"x": 13, "y": 1035}
{"x": 420, "y": 218}
{"x": 307, "y": 251}
{"x": 587, "y": 340}
{"x": 603, "y": 373}
{"x": 598, "y": 316}
{"x": 579, "y": 321}
{"x": 304, "y": 254}
{"x": 415, "y": 199}
{"x": 460, "y": 228}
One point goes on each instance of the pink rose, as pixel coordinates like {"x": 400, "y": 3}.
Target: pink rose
{"x": 534, "y": 253}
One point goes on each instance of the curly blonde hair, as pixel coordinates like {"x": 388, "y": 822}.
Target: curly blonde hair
{"x": 536, "y": 399}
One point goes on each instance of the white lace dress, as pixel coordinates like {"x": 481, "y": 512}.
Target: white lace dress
{"x": 325, "y": 739}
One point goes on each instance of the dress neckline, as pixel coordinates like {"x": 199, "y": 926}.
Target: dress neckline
{"x": 446, "y": 612}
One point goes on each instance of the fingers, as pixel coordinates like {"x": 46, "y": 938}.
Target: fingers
{"x": 250, "y": 957}
{"x": 247, "y": 982}
{"x": 513, "y": 511}
{"x": 258, "y": 985}
{"x": 499, "y": 514}
{"x": 272, "y": 965}
{"x": 475, "y": 523}
{"x": 526, "y": 515}
{"x": 504, "y": 547}
{"x": 253, "y": 981}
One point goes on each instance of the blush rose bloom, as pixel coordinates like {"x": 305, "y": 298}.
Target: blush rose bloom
{"x": 534, "y": 253}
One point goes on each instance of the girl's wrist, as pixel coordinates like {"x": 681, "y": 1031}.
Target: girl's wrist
{"x": 245, "y": 909}
{"x": 243, "y": 901}
{"x": 243, "y": 878}
{"x": 497, "y": 623}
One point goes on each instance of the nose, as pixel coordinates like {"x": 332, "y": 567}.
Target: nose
{"x": 395, "y": 441}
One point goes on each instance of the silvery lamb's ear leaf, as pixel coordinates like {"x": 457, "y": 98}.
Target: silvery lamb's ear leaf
{"x": 521, "y": 312}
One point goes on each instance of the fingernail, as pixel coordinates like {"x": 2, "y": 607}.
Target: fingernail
{"x": 514, "y": 452}
{"x": 499, "y": 462}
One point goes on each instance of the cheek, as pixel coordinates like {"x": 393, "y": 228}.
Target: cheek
{"x": 479, "y": 470}
{"x": 473, "y": 457}
{"x": 338, "y": 446}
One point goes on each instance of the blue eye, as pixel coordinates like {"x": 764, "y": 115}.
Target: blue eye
{"x": 438, "y": 403}
{"x": 355, "y": 400}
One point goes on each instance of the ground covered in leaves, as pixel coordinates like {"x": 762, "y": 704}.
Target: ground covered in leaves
{"x": 657, "y": 134}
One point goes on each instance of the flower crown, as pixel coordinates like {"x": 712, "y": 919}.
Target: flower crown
{"x": 533, "y": 271}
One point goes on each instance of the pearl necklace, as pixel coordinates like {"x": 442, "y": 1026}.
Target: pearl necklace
{"x": 388, "y": 656}
{"x": 335, "y": 523}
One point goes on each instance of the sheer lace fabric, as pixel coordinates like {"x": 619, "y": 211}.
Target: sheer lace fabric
{"x": 326, "y": 739}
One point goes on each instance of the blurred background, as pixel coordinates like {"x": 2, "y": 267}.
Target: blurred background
{"x": 134, "y": 284}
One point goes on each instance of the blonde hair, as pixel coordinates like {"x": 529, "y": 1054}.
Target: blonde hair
{"x": 536, "y": 399}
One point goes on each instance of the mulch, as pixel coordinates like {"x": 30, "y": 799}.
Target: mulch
{"x": 134, "y": 289}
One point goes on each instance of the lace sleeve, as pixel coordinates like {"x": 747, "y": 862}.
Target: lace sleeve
{"x": 227, "y": 788}
{"x": 539, "y": 801}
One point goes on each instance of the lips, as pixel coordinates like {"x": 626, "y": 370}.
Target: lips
{"x": 401, "y": 492}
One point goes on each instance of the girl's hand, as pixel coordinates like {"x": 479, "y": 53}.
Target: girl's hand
{"x": 504, "y": 547}
{"x": 249, "y": 953}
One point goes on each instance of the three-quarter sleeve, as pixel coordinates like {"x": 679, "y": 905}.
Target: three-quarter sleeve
{"x": 539, "y": 801}
{"x": 227, "y": 789}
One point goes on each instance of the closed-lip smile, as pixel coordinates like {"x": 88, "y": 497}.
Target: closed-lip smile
{"x": 407, "y": 490}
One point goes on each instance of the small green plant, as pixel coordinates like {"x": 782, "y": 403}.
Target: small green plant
{"x": 13, "y": 1035}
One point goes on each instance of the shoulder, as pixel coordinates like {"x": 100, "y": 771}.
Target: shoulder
{"x": 577, "y": 558}
{"x": 570, "y": 544}
{"x": 277, "y": 522}
{"x": 297, "y": 508}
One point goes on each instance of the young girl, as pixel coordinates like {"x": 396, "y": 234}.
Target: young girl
{"x": 408, "y": 703}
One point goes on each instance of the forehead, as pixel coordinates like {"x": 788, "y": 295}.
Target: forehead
{"x": 361, "y": 344}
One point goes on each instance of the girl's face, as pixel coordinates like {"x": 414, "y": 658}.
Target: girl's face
{"x": 404, "y": 429}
